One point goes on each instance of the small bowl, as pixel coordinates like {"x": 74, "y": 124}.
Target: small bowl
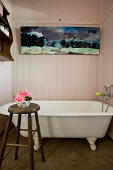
{"x": 24, "y": 104}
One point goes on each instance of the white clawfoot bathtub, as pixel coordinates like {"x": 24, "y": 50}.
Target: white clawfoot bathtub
{"x": 69, "y": 119}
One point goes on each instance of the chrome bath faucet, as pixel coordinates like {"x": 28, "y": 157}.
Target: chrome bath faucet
{"x": 108, "y": 91}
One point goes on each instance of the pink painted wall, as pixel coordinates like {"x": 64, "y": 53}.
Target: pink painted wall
{"x": 107, "y": 49}
{"x": 73, "y": 11}
{"x": 107, "y": 6}
{"x": 55, "y": 76}
{"x": 106, "y": 59}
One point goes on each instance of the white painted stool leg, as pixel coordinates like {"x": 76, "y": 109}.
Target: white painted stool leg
{"x": 36, "y": 143}
{"x": 92, "y": 143}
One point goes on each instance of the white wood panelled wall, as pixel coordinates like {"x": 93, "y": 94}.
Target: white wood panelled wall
{"x": 5, "y": 82}
{"x": 55, "y": 76}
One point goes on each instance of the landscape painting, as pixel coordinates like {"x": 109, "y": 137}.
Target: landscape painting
{"x": 60, "y": 40}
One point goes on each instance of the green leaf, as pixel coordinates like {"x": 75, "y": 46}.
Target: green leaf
{"x": 28, "y": 98}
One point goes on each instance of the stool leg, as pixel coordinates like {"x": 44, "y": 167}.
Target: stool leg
{"x": 5, "y": 137}
{"x": 39, "y": 135}
{"x": 18, "y": 136}
{"x": 30, "y": 138}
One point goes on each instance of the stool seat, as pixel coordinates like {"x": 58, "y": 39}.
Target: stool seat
{"x": 32, "y": 108}
{"x": 14, "y": 109}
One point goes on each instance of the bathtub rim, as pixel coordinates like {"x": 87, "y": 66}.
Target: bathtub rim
{"x": 77, "y": 114}
{"x": 67, "y": 114}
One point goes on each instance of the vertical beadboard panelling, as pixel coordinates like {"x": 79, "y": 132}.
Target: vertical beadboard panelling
{"x": 52, "y": 75}
{"x": 59, "y": 77}
{"x": 98, "y": 78}
{"x": 87, "y": 77}
{"x": 45, "y": 76}
{"x": 5, "y": 82}
{"x": 40, "y": 75}
{"x": 33, "y": 75}
{"x": 66, "y": 82}
{"x": 79, "y": 77}
{"x": 90, "y": 76}
{"x": 75, "y": 69}
{"x": 26, "y": 72}
{"x": 94, "y": 77}
{"x": 8, "y": 77}
{"x": 19, "y": 71}
{"x": 72, "y": 77}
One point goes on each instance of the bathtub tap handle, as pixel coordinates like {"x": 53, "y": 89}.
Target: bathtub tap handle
{"x": 99, "y": 94}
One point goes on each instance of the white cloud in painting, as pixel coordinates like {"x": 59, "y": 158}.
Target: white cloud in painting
{"x": 38, "y": 34}
{"x": 60, "y": 30}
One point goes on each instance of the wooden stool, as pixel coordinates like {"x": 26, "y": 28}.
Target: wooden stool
{"x": 14, "y": 109}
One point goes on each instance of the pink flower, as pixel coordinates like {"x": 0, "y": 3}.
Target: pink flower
{"x": 20, "y": 97}
{"x": 23, "y": 96}
{"x": 24, "y": 92}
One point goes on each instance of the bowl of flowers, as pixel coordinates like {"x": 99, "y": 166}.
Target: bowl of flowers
{"x": 23, "y": 98}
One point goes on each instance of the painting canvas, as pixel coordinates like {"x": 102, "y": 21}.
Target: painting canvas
{"x": 60, "y": 40}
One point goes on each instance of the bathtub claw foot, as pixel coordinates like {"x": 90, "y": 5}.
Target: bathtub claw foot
{"x": 92, "y": 143}
{"x": 36, "y": 143}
